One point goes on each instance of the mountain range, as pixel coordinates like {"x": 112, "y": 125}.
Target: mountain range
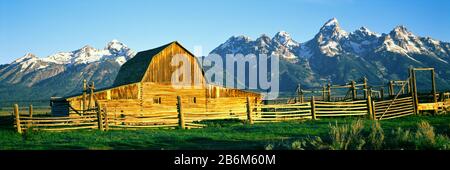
{"x": 31, "y": 77}
{"x": 337, "y": 56}
{"x": 332, "y": 55}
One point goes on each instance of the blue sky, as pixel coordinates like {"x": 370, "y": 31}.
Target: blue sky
{"x": 44, "y": 27}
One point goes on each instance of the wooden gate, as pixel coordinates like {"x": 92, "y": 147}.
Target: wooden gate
{"x": 397, "y": 107}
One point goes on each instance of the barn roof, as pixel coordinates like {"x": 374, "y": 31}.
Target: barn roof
{"x": 134, "y": 69}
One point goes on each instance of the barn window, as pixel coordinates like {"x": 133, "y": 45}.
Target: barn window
{"x": 157, "y": 100}
{"x": 194, "y": 100}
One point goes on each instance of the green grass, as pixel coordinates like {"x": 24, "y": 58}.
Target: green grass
{"x": 219, "y": 135}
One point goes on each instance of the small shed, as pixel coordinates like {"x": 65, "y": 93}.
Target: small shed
{"x": 60, "y": 106}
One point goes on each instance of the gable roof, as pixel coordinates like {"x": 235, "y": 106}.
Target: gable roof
{"x": 133, "y": 70}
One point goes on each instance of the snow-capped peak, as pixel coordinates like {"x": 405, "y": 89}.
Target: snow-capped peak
{"x": 401, "y": 29}
{"x": 28, "y": 62}
{"x": 59, "y": 58}
{"x": 366, "y": 31}
{"x": 331, "y": 22}
{"x": 283, "y": 38}
{"x": 241, "y": 38}
{"x": 26, "y": 57}
{"x": 402, "y": 41}
{"x": 114, "y": 50}
{"x": 263, "y": 40}
{"x": 115, "y": 45}
{"x": 235, "y": 41}
{"x": 264, "y": 37}
{"x": 282, "y": 34}
{"x": 401, "y": 32}
{"x": 329, "y": 38}
{"x": 331, "y": 30}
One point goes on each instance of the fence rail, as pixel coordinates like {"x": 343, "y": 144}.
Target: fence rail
{"x": 55, "y": 124}
{"x": 167, "y": 119}
{"x": 285, "y": 112}
{"x": 333, "y": 109}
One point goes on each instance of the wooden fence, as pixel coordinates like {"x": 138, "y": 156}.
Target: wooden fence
{"x": 309, "y": 110}
{"x": 24, "y": 122}
{"x": 179, "y": 117}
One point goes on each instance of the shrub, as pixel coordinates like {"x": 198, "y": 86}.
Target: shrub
{"x": 351, "y": 137}
{"x": 425, "y": 137}
{"x": 347, "y": 137}
{"x": 298, "y": 145}
{"x": 268, "y": 147}
{"x": 376, "y": 136}
{"x": 400, "y": 139}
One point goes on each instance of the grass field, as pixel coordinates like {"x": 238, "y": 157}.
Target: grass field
{"x": 228, "y": 135}
{"x": 37, "y": 110}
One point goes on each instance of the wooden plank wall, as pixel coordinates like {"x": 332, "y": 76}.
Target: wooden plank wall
{"x": 148, "y": 97}
{"x": 122, "y": 94}
{"x": 160, "y": 69}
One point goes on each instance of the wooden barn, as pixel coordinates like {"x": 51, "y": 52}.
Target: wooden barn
{"x": 143, "y": 85}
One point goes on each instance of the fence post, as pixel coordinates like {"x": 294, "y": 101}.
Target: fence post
{"x": 414, "y": 89}
{"x": 433, "y": 90}
{"x": 374, "y": 113}
{"x": 411, "y": 88}
{"x": 391, "y": 88}
{"x": 365, "y": 87}
{"x": 329, "y": 92}
{"x": 84, "y": 96}
{"x": 16, "y": 113}
{"x": 369, "y": 104}
{"x": 181, "y": 122}
{"x": 323, "y": 93}
{"x": 30, "y": 111}
{"x": 99, "y": 117}
{"x": 106, "y": 117}
{"x": 91, "y": 95}
{"x": 353, "y": 86}
{"x": 249, "y": 112}
{"x": 313, "y": 108}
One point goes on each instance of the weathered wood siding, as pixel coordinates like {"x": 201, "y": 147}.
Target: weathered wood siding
{"x": 148, "y": 97}
{"x": 160, "y": 69}
{"x": 125, "y": 92}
